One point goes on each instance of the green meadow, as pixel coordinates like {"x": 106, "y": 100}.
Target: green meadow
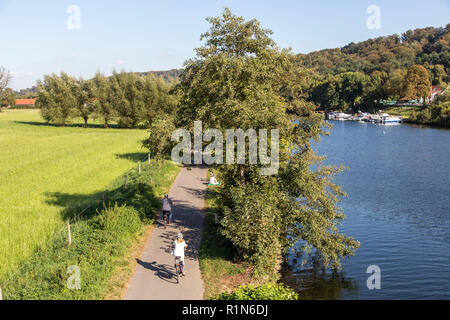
{"x": 45, "y": 169}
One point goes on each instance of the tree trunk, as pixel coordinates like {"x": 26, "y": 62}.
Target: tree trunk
{"x": 86, "y": 122}
{"x": 106, "y": 123}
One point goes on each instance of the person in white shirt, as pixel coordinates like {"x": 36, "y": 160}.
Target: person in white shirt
{"x": 178, "y": 251}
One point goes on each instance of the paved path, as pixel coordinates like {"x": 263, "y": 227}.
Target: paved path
{"x": 154, "y": 276}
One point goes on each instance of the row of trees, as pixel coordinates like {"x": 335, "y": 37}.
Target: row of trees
{"x": 127, "y": 98}
{"x": 351, "y": 89}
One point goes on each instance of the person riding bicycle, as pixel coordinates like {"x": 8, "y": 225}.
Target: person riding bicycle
{"x": 167, "y": 207}
{"x": 178, "y": 251}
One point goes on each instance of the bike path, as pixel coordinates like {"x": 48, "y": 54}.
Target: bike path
{"x": 154, "y": 278}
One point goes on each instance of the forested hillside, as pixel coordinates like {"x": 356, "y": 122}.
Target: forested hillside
{"x": 429, "y": 47}
{"x": 365, "y": 75}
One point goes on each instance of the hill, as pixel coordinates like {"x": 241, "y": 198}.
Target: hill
{"x": 429, "y": 47}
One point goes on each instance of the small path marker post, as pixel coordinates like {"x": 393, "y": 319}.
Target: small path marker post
{"x": 69, "y": 237}
{"x": 103, "y": 199}
{"x": 126, "y": 178}
{"x": 139, "y": 167}
{"x": 1, "y": 297}
{"x": 149, "y": 157}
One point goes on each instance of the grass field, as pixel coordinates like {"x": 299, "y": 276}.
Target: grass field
{"x": 45, "y": 169}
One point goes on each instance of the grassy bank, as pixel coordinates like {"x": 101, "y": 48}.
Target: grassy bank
{"x": 101, "y": 239}
{"x": 404, "y": 112}
{"x": 47, "y": 169}
{"x": 224, "y": 278}
{"x": 219, "y": 272}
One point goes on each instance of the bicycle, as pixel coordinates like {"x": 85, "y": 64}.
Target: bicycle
{"x": 178, "y": 268}
{"x": 166, "y": 217}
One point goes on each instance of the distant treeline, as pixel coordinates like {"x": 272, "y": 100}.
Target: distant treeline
{"x": 26, "y": 93}
{"x": 128, "y": 98}
{"x": 168, "y": 75}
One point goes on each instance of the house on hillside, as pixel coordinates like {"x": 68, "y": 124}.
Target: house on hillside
{"x": 26, "y": 103}
{"x": 435, "y": 91}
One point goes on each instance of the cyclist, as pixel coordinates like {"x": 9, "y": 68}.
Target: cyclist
{"x": 167, "y": 207}
{"x": 178, "y": 251}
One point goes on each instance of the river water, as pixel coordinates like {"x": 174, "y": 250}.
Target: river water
{"x": 398, "y": 207}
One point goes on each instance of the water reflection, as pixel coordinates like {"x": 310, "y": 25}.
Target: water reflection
{"x": 314, "y": 282}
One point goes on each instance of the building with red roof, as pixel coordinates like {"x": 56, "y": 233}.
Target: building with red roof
{"x": 26, "y": 102}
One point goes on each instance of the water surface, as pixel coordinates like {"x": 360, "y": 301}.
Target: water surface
{"x": 398, "y": 208}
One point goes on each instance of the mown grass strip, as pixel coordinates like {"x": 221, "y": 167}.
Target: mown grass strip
{"x": 219, "y": 272}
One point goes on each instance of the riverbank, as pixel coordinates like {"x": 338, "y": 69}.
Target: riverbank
{"x": 219, "y": 272}
{"x": 224, "y": 277}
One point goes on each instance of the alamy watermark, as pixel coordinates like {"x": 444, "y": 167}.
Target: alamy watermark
{"x": 213, "y": 153}
{"x": 74, "y": 19}
{"x": 74, "y": 281}
{"x": 374, "y": 20}
{"x": 374, "y": 281}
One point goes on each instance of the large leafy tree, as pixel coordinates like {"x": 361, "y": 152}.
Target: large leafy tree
{"x": 394, "y": 84}
{"x": 352, "y": 87}
{"x": 241, "y": 79}
{"x": 158, "y": 102}
{"x": 7, "y": 98}
{"x": 56, "y": 98}
{"x": 84, "y": 92}
{"x": 103, "y": 98}
{"x": 417, "y": 82}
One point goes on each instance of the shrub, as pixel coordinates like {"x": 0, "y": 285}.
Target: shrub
{"x": 96, "y": 245}
{"x": 119, "y": 220}
{"x": 270, "y": 291}
{"x": 251, "y": 222}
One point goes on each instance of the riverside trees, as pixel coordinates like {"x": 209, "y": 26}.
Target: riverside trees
{"x": 240, "y": 79}
{"x": 131, "y": 99}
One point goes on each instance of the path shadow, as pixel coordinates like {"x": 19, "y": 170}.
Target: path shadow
{"x": 133, "y": 156}
{"x": 70, "y": 125}
{"x": 162, "y": 271}
{"x": 137, "y": 195}
{"x": 189, "y": 221}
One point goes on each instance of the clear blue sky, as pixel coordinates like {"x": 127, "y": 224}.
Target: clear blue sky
{"x": 143, "y": 35}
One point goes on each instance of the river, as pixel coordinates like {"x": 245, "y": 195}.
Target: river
{"x": 398, "y": 207}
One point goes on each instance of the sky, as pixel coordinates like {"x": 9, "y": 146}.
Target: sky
{"x": 42, "y": 37}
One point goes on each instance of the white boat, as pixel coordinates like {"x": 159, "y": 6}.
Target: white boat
{"x": 342, "y": 116}
{"x": 385, "y": 118}
{"x": 392, "y": 120}
{"x": 362, "y": 116}
{"x": 331, "y": 115}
